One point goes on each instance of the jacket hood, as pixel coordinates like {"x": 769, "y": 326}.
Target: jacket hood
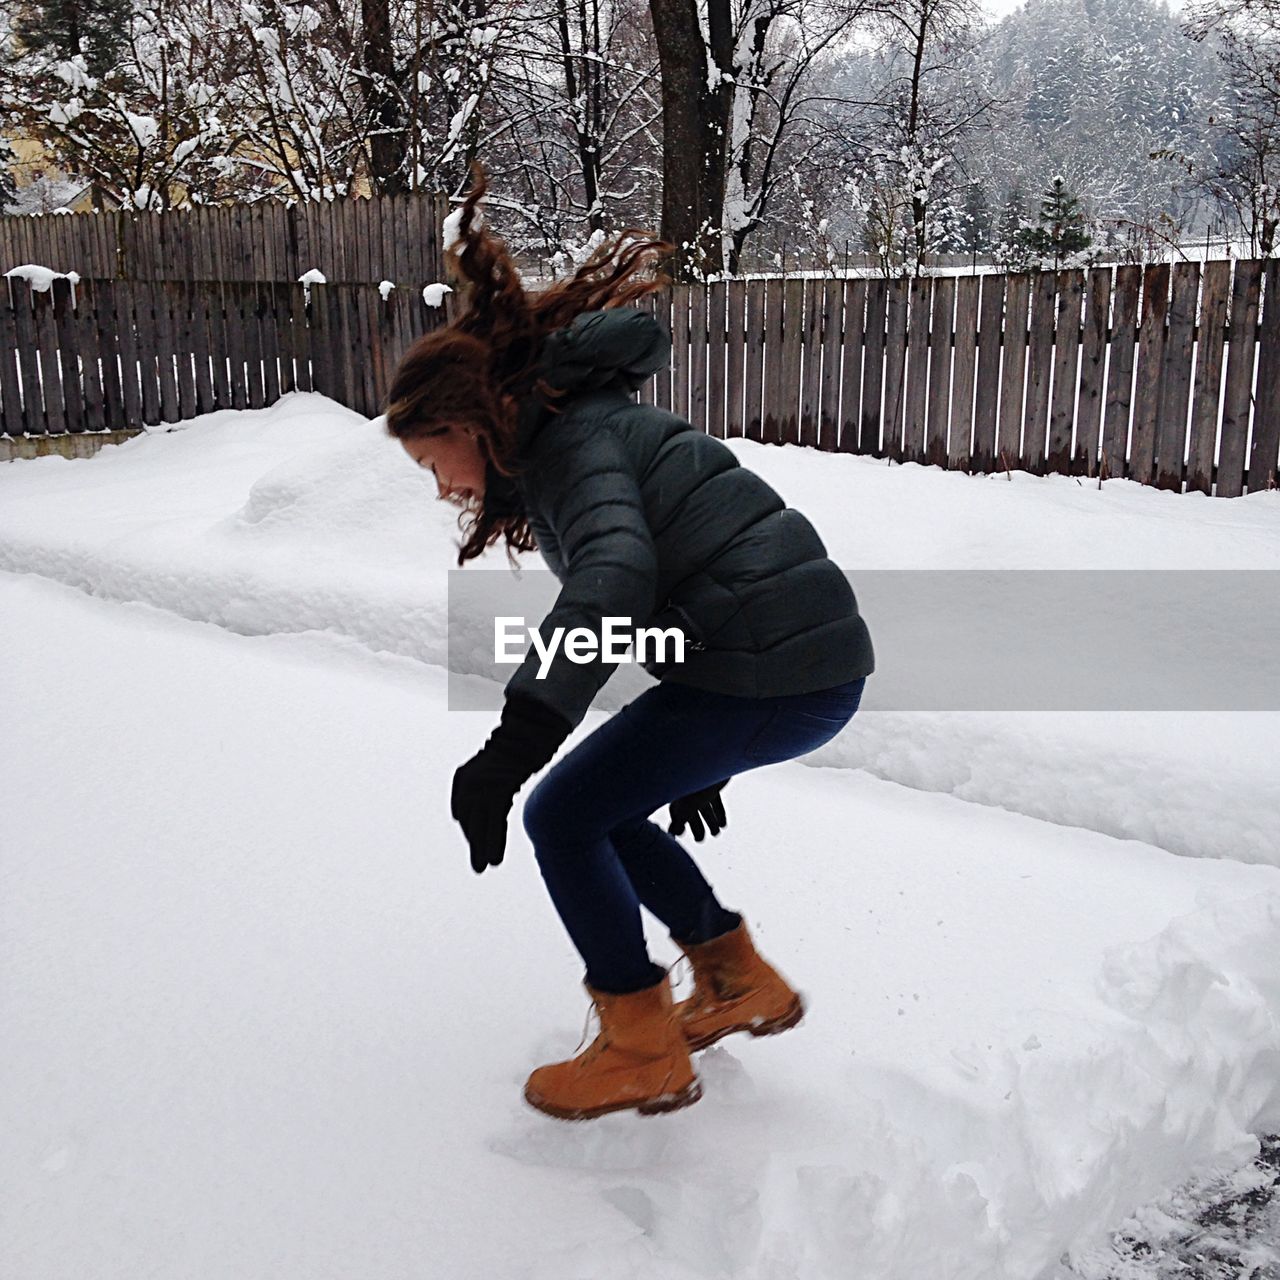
{"x": 616, "y": 348}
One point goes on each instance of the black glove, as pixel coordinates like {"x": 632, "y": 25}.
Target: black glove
{"x": 527, "y": 736}
{"x": 705, "y": 805}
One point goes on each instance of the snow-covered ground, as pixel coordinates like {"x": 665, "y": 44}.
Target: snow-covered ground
{"x": 262, "y": 1020}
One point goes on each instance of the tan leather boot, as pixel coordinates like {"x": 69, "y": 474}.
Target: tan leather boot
{"x": 734, "y": 990}
{"x": 638, "y": 1060}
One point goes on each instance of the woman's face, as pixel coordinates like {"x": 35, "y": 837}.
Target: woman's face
{"x": 455, "y": 459}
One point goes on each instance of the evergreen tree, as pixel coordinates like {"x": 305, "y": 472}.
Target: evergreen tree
{"x": 92, "y": 29}
{"x": 1061, "y": 231}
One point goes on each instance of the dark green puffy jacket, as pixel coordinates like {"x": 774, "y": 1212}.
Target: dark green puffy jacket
{"x": 639, "y": 515}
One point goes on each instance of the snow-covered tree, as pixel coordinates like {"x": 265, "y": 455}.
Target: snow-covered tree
{"x": 898, "y": 117}
{"x": 151, "y": 130}
{"x": 8, "y": 182}
{"x": 1094, "y": 89}
{"x": 975, "y": 226}
{"x": 1011, "y": 250}
{"x": 1239, "y": 167}
{"x": 573, "y": 129}
{"x": 741, "y": 94}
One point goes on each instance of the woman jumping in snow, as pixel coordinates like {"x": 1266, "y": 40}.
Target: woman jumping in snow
{"x": 523, "y": 410}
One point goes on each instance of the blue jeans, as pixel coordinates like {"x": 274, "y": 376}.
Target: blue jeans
{"x": 588, "y": 817}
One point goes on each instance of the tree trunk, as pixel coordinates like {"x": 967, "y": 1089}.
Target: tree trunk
{"x": 694, "y": 133}
{"x": 387, "y": 143}
{"x": 918, "y": 210}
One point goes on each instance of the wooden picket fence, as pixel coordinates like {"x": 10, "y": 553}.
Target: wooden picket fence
{"x": 1165, "y": 375}
{"x": 1144, "y": 372}
{"x": 352, "y": 241}
{"x": 124, "y": 354}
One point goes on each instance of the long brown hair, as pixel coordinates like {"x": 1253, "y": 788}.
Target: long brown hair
{"x": 479, "y": 369}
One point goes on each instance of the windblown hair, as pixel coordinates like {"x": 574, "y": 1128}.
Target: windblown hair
{"x": 479, "y": 369}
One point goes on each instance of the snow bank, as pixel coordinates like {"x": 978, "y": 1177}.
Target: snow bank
{"x": 305, "y": 516}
